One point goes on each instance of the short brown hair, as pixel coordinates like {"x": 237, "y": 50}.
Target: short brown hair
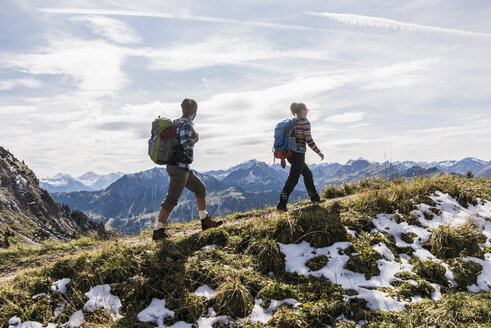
{"x": 189, "y": 106}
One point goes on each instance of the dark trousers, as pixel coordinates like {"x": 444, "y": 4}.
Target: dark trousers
{"x": 298, "y": 167}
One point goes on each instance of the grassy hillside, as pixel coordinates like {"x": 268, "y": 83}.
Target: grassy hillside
{"x": 384, "y": 254}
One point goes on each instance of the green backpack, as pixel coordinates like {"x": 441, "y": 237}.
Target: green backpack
{"x": 161, "y": 143}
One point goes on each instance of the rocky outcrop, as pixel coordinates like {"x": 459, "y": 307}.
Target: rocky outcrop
{"x": 31, "y": 213}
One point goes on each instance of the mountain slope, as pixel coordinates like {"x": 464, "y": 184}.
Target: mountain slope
{"x": 30, "y": 212}
{"x": 469, "y": 164}
{"x": 257, "y": 177}
{"x": 377, "y": 256}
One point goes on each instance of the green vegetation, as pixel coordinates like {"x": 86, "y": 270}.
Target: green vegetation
{"x": 449, "y": 242}
{"x": 363, "y": 258}
{"x": 246, "y": 264}
{"x": 269, "y": 257}
{"x": 25, "y": 254}
{"x": 465, "y": 272}
{"x": 408, "y": 237}
{"x": 423, "y": 289}
{"x": 431, "y": 271}
{"x": 234, "y": 299}
{"x": 453, "y": 310}
{"x": 317, "y": 263}
{"x": 398, "y": 196}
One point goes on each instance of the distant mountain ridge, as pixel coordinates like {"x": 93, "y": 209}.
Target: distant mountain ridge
{"x": 28, "y": 214}
{"x": 89, "y": 181}
{"x": 130, "y": 203}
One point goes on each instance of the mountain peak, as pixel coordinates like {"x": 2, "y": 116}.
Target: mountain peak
{"x": 88, "y": 175}
{"x": 359, "y": 160}
{"x": 473, "y": 159}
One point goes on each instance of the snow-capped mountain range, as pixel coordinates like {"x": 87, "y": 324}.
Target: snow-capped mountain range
{"x": 252, "y": 172}
{"x": 128, "y": 203}
{"x": 89, "y": 181}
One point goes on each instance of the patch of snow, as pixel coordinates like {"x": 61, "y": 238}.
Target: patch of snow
{"x": 484, "y": 278}
{"x": 75, "y": 320}
{"x": 351, "y": 232}
{"x": 296, "y": 255}
{"x": 15, "y": 322}
{"x": 211, "y": 319}
{"x": 205, "y": 291}
{"x": 383, "y": 250}
{"x": 387, "y": 222}
{"x": 100, "y": 296}
{"x": 263, "y": 315}
{"x": 436, "y": 295}
{"x": 60, "y": 285}
{"x": 156, "y": 312}
{"x": 59, "y": 310}
{"x": 180, "y": 324}
{"x": 209, "y": 246}
{"x": 38, "y": 296}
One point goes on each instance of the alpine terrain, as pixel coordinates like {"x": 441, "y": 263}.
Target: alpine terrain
{"x": 377, "y": 253}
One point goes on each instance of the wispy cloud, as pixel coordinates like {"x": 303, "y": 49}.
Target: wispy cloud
{"x": 27, "y": 83}
{"x": 82, "y": 11}
{"x": 112, "y": 29}
{"x": 222, "y": 50}
{"x": 346, "y": 117}
{"x": 371, "y": 21}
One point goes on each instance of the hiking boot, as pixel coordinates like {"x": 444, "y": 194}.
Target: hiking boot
{"x": 208, "y": 223}
{"x": 159, "y": 234}
{"x": 282, "y": 203}
{"x": 317, "y": 199}
{"x": 281, "y": 206}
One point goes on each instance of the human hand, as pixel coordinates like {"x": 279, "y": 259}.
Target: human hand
{"x": 196, "y": 138}
{"x": 321, "y": 156}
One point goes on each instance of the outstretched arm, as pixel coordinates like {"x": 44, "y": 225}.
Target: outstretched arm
{"x": 308, "y": 139}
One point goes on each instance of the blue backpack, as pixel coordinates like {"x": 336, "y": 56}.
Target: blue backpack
{"x": 285, "y": 142}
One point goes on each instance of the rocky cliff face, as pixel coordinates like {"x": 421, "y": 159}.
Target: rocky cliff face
{"x": 31, "y": 213}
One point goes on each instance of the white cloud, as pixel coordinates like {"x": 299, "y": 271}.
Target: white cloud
{"x": 12, "y": 84}
{"x": 112, "y": 29}
{"x": 346, "y": 117}
{"x": 360, "y": 125}
{"x": 92, "y": 65}
{"x": 370, "y": 21}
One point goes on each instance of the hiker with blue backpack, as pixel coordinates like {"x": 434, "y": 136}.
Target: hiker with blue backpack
{"x": 291, "y": 140}
{"x": 172, "y": 143}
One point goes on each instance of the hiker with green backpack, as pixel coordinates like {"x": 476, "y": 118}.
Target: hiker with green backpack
{"x": 172, "y": 143}
{"x": 291, "y": 140}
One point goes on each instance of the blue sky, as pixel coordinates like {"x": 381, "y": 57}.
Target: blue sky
{"x": 81, "y": 81}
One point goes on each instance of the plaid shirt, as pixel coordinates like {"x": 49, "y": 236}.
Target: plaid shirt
{"x": 183, "y": 144}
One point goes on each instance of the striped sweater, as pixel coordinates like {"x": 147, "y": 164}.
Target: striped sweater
{"x": 304, "y": 136}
